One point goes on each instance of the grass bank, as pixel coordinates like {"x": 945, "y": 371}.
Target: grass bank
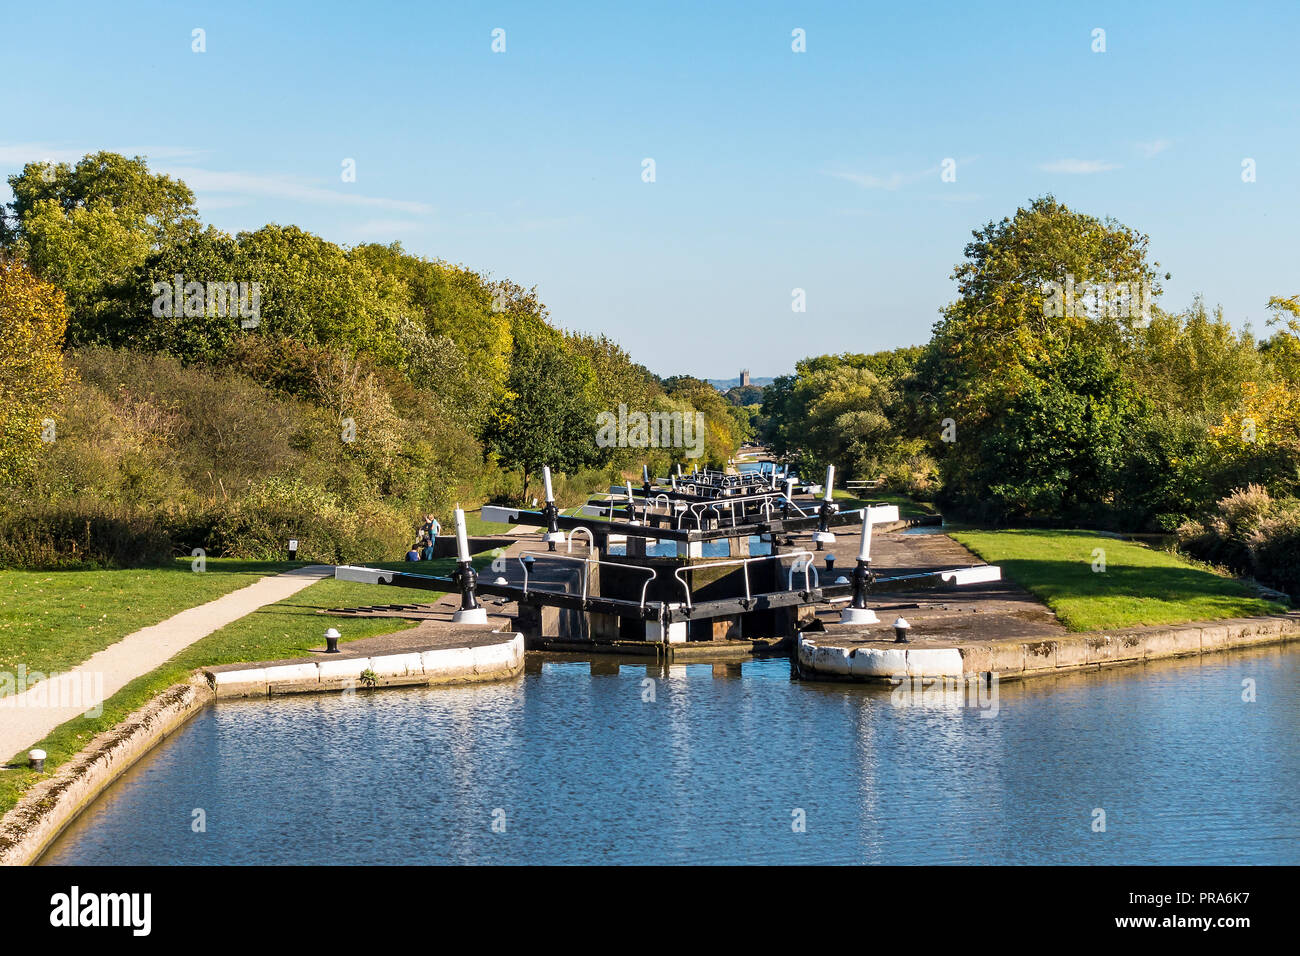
{"x": 907, "y": 507}
{"x": 53, "y": 620}
{"x": 1138, "y": 586}
{"x": 289, "y": 628}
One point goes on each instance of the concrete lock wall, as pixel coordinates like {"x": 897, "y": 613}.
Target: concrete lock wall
{"x": 440, "y": 666}
{"x": 837, "y": 657}
{"x": 878, "y": 663}
{"x": 48, "y": 807}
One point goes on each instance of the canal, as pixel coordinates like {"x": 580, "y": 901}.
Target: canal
{"x": 605, "y": 763}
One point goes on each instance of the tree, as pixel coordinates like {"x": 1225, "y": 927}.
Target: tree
{"x": 722, "y": 434}
{"x": 619, "y": 381}
{"x": 547, "y": 415}
{"x": 160, "y": 206}
{"x": 1004, "y": 316}
{"x": 1194, "y": 364}
{"x": 457, "y": 303}
{"x": 1061, "y": 448}
{"x": 1008, "y": 323}
{"x": 1282, "y": 349}
{"x": 89, "y": 228}
{"x": 32, "y": 324}
{"x": 313, "y": 291}
{"x": 844, "y": 421}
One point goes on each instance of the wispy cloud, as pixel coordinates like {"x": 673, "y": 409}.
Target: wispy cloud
{"x": 220, "y": 202}
{"x": 869, "y": 181}
{"x": 217, "y": 189}
{"x": 292, "y": 188}
{"x": 895, "y": 180}
{"x": 1079, "y": 167}
{"x": 18, "y": 155}
{"x": 1153, "y": 148}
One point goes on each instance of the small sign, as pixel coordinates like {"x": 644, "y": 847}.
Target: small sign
{"x": 293, "y": 544}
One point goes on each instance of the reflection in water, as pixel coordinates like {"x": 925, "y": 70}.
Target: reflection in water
{"x": 581, "y": 764}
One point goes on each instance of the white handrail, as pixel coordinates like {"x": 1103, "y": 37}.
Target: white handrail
{"x": 587, "y": 562}
{"x": 591, "y": 538}
{"x": 745, "y": 563}
{"x": 806, "y": 567}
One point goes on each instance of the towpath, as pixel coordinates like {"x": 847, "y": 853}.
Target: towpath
{"x": 28, "y": 717}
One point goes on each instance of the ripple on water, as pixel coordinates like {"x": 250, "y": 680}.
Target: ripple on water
{"x": 582, "y": 768}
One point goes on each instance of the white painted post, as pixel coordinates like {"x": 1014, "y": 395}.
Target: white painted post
{"x": 631, "y": 505}
{"x": 471, "y": 612}
{"x": 823, "y": 535}
{"x": 551, "y": 513}
{"x": 858, "y": 612}
{"x": 462, "y": 540}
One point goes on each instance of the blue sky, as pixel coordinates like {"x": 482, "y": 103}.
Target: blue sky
{"x": 775, "y": 170}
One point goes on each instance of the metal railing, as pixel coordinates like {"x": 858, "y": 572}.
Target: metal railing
{"x": 766, "y": 506}
{"x": 586, "y": 569}
{"x": 591, "y": 539}
{"x": 807, "y": 567}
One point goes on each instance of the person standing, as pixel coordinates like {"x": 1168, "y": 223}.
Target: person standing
{"x": 430, "y": 530}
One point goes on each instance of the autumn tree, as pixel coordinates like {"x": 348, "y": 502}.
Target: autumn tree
{"x": 32, "y": 323}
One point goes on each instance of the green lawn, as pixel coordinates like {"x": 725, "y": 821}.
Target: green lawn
{"x": 475, "y": 526}
{"x": 1139, "y": 585}
{"x": 907, "y": 508}
{"x": 53, "y": 620}
{"x": 289, "y": 628}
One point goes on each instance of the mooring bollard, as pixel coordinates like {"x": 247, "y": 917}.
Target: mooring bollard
{"x": 823, "y": 534}
{"x": 551, "y": 513}
{"x": 857, "y": 612}
{"x": 471, "y": 612}
{"x": 901, "y": 628}
{"x": 830, "y": 563}
{"x": 332, "y": 641}
{"x": 36, "y": 760}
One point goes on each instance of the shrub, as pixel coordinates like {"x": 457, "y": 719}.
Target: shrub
{"x": 259, "y": 525}
{"x": 79, "y": 535}
{"x": 1252, "y": 533}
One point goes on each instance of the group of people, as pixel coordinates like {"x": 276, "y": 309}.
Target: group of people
{"x": 422, "y": 550}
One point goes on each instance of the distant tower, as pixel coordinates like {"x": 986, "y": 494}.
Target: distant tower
{"x": 744, "y": 377}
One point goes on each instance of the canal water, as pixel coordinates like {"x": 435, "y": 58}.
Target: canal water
{"x": 580, "y": 762}
{"x": 661, "y": 548}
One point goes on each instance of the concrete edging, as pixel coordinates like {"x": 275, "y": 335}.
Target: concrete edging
{"x": 47, "y": 808}
{"x": 448, "y": 665}
{"x": 1011, "y": 659}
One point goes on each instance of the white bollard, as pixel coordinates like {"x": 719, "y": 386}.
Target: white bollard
{"x": 462, "y": 540}
{"x": 466, "y": 615}
{"x": 826, "y": 537}
{"x": 552, "y": 538}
